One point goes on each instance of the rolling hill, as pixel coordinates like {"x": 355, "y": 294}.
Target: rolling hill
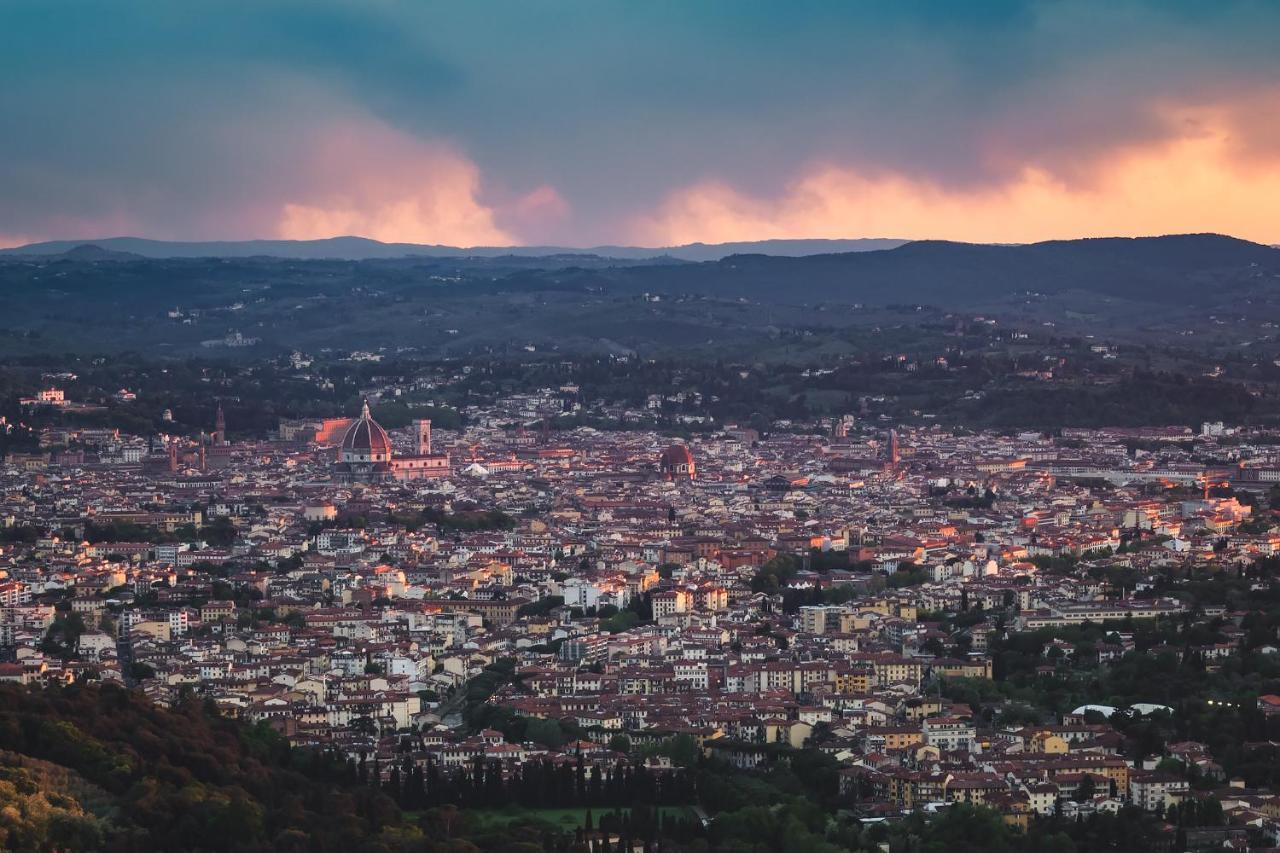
{"x": 362, "y": 248}
{"x": 1192, "y": 269}
{"x": 97, "y": 299}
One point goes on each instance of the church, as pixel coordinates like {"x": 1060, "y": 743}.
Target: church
{"x": 366, "y": 455}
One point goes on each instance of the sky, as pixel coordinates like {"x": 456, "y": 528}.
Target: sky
{"x": 643, "y": 123}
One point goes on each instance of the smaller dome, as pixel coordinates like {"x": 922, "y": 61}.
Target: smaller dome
{"x": 677, "y": 461}
{"x": 365, "y": 435}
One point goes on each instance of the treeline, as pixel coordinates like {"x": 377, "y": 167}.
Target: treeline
{"x": 220, "y": 531}
{"x": 533, "y": 784}
{"x": 461, "y": 521}
{"x": 968, "y": 829}
{"x": 773, "y": 576}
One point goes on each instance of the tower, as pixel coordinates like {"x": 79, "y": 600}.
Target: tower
{"x": 893, "y": 446}
{"x": 219, "y": 427}
{"x": 422, "y": 437}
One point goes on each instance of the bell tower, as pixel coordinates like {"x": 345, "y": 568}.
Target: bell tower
{"x": 422, "y": 437}
{"x": 219, "y": 428}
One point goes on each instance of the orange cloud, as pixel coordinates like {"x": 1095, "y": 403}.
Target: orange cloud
{"x": 535, "y": 215}
{"x": 1200, "y": 179}
{"x": 370, "y": 180}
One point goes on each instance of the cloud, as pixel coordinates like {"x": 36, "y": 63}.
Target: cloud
{"x": 372, "y": 181}
{"x": 1193, "y": 181}
{"x": 537, "y": 215}
{"x": 368, "y": 179}
{"x": 588, "y": 122}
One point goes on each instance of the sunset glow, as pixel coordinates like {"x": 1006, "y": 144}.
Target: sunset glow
{"x": 1193, "y": 184}
{"x": 982, "y": 121}
{"x": 384, "y": 185}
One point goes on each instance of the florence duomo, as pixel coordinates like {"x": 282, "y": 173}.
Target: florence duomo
{"x": 366, "y": 454}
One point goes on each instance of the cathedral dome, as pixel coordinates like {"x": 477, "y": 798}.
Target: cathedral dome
{"x": 366, "y": 436}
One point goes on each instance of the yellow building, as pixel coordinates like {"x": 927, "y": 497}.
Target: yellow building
{"x": 1048, "y": 743}
{"x": 853, "y": 681}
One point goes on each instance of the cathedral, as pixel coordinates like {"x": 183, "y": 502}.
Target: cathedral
{"x": 365, "y": 454}
{"x": 676, "y": 463}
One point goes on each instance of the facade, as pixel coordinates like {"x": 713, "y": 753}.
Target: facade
{"x": 949, "y": 734}
{"x": 1156, "y": 791}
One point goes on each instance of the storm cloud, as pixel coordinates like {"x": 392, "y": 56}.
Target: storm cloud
{"x": 657, "y": 122}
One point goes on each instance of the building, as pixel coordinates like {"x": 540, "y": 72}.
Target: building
{"x": 670, "y": 602}
{"x": 219, "y": 427}
{"x": 366, "y": 454}
{"x": 677, "y": 463}
{"x": 217, "y": 453}
{"x": 949, "y": 734}
{"x": 1156, "y": 791}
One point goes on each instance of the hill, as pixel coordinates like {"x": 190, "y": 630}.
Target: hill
{"x": 363, "y": 248}
{"x": 97, "y": 767}
{"x": 90, "y": 252}
{"x": 100, "y": 768}
{"x": 1142, "y": 291}
{"x": 1192, "y": 268}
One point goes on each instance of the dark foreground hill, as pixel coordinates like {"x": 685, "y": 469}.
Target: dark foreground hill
{"x": 100, "y": 768}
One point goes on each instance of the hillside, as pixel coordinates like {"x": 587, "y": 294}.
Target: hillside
{"x": 1194, "y": 268}
{"x": 100, "y": 768}
{"x": 1143, "y": 291}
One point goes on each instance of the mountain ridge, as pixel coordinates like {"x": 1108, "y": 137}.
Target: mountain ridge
{"x": 1126, "y": 288}
{"x": 364, "y": 248}
{"x": 1189, "y": 267}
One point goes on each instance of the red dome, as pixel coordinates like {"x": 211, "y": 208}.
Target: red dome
{"x": 365, "y": 435}
{"x": 677, "y": 461}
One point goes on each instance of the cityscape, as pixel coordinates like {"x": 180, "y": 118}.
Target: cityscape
{"x": 639, "y": 428}
{"x": 919, "y": 612}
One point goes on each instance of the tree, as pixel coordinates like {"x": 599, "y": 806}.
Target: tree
{"x": 221, "y": 532}
{"x": 140, "y": 671}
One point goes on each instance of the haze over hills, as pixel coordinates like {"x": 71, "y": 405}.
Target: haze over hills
{"x": 1149, "y": 290}
{"x": 363, "y": 248}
